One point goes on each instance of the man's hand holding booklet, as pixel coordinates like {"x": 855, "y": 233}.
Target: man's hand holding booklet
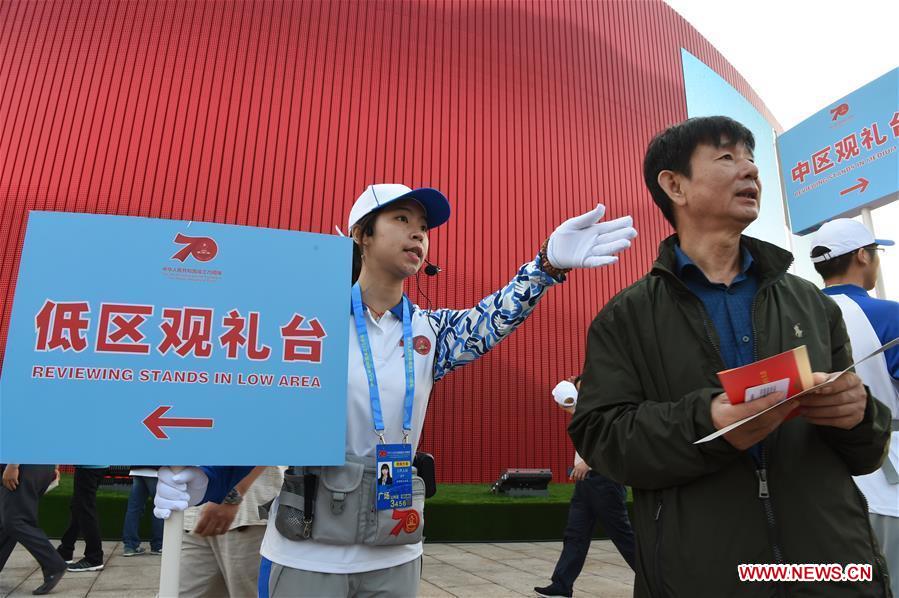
{"x": 778, "y": 379}
{"x": 789, "y": 373}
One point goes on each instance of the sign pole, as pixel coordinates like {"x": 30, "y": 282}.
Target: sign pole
{"x": 170, "y": 567}
{"x": 880, "y": 288}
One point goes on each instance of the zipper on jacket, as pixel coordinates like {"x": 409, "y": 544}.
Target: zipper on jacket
{"x": 762, "y": 466}
{"x": 765, "y": 497}
{"x": 762, "y": 475}
{"x": 755, "y": 336}
{"x": 707, "y": 324}
{"x": 656, "y": 561}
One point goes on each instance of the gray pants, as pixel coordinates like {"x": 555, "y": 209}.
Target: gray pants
{"x": 886, "y": 529}
{"x": 394, "y": 582}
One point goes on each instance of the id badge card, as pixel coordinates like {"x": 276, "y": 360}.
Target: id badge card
{"x": 394, "y": 481}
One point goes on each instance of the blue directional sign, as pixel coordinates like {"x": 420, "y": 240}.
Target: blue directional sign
{"x": 844, "y": 158}
{"x": 135, "y": 340}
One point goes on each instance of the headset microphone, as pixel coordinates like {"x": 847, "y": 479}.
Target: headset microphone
{"x": 431, "y": 269}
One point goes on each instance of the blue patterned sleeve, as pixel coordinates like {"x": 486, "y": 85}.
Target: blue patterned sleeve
{"x": 463, "y": 335}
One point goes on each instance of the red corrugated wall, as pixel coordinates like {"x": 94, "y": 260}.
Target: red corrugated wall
{"x": 278, "y": 114}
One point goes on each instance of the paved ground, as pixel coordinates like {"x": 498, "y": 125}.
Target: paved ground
{"x": 482, "y": 570}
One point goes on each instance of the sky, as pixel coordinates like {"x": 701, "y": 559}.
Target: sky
{"x": 801, "y": 55}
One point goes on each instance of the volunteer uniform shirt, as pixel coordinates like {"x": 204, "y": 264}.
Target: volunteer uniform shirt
{"x": 883, "y": 316}
{"x": 871, "y": 323}
{"x": 443, "y": 339}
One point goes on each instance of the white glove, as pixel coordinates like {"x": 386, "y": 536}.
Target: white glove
{"x": 177, "y": 491}
{"x": 565, "y": 394}
{"x": 584, "y": 242}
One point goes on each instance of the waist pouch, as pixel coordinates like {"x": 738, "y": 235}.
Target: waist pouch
{"x": 344, "y": 507}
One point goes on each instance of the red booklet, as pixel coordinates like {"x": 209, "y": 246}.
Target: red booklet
{"x": 789, "y": 372}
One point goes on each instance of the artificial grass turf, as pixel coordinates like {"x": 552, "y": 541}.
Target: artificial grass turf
{"x": 457, "y": 513}
{"x": 470, "y": 513}
{"x": 480, "y": 494}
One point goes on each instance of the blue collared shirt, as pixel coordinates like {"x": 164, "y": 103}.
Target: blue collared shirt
{"x": 729, "y": 307}
{"x": 883, "y": 315}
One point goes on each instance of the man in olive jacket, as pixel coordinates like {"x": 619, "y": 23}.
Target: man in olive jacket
{"x": 775, "y": 490}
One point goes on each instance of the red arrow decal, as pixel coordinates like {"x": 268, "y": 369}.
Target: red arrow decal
{"x": 862, "y": 185}
{"x": 155, "y": 422}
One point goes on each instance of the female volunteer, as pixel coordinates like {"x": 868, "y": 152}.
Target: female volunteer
{"x": 397, "y": 351}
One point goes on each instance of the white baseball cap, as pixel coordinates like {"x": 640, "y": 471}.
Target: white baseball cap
{"x": 565, "y": 394}
{"x": 437, "y": 208}
{"x": 842, "y": 235}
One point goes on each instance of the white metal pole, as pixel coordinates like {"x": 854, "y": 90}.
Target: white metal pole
{"x": 170, "y": 567}
{"x": 879, "y": 288}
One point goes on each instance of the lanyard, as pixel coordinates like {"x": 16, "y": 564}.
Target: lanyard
{"x": 369, "y": 364}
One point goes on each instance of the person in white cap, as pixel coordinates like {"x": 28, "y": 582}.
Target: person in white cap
{"x": 334, "y": 531}
{"x": 845, "y": 254}
{"x": 595, "y": 498}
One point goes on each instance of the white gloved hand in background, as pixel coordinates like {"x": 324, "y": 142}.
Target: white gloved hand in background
{"x": 177, "y": 491}
{"x": 584, "y": 242}
{"x": 565, "y": 394}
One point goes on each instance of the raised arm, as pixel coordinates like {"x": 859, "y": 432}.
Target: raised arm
{"x": 580, "y": 242}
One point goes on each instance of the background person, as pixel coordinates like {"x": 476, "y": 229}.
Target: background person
{"x": 845, "y": 254}
{"x": 20, "y": 493}
{"x": 595, "y": 498}
{"x": 84, "y": 520}
{"x": 143, "y": 485}
{"x": 220, "y": 554}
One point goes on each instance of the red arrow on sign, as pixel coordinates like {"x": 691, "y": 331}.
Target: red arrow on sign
{"x": 862, "y": 184}
{"x": 155, "y": 422}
